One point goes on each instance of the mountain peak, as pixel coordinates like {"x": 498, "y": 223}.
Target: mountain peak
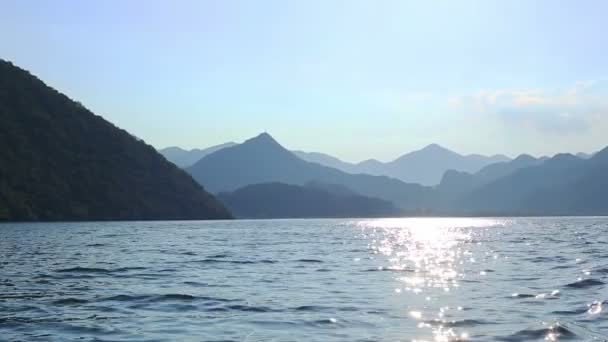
{"x": 524, "y": 158}
{"x": 434, "y": 147}
{"x": 430, "y": 150}
{"x": 172, "y": 149}
{"x": 262, "y": 138}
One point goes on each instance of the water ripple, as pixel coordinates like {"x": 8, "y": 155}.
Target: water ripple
{"x": 422, "y": 279}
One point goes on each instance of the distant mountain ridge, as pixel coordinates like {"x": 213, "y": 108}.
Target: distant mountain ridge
{"x": 523, "y": 186}
{"x": 184, "y": 158}
{"x": 62, "y": 162}
{"x": 562, "y": 185}
{"x": 326, "y": 160}
{"x": 425, "y": 166}
{"x": 456, "y": 182}
{"x": 263, "y": 160}
{"x": 314, "y": 200}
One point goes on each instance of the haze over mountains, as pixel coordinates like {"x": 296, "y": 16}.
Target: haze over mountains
{"x": 523, "y": 186}
{"x": 62, "y": 162}
{"x": 262, "y": 160}
{"x": 562, "y": 185}
{"x": 425, "y": 166}
{"x": 455, "y": 183}
{"x": 59, "y": 161}
{"x": 185, "y": 158}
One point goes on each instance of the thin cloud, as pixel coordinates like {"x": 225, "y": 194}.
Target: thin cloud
{"x": 571, "y": 110}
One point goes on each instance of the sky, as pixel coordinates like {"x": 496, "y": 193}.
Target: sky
{"x": 355, "y": 79}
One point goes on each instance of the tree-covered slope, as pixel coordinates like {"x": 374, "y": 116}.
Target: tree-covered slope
{"x": 59, "y": 161}
{"x": 277, "y": 200}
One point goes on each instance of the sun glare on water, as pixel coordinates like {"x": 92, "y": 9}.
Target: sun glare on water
{"x": 428, "y": 256}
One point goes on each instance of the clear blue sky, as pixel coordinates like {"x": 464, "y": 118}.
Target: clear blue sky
{"x": 356, "y": 79}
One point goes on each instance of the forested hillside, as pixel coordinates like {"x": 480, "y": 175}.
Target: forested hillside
{"x": 59, "y": 161}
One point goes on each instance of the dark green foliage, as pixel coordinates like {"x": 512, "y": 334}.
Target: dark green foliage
{"x": 59, "y": 161}
{"x": 277, "y": 200}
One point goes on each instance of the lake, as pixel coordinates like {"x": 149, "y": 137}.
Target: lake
{"x": 416, "y": 279}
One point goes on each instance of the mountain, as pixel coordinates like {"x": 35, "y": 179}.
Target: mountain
{"x": 326, "y": 160}
{"x": 184, "y": 158}
{"x": 335, "y": 189}
{"x": 584, "y": 155}
{"x": 263, "y": 160}
{"x": 588, "y": 195}
{"x": 278, "y": 200}
{"x": 562, "y": 185}
{"x": 502, "y": 169}
{"x": 455, "y": 184}
{"x": 425, "y": 166}
{"x": 62, "y": 162}
{"x": 458, "y": 182}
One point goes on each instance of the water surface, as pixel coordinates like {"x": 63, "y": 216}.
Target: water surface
{"x": 306, "y": 280}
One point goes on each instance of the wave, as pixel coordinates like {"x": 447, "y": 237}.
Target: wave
{"x": 585, "y": 283}
{"x": 70, "y": 301}
{"x": 320, "y": 308}
{"x": 79, "y": 269}
{"x": 310, "y": 260}
{"x": 557, "y": 331}
{"x": 164, "y": 298}
{"x": 459, "y": 323}
{"x": 237, "y": 262}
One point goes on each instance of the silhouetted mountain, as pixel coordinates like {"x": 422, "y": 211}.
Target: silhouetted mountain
{"x": 62, "y": 162}
{"x": 335, "y": 189}
{"x": 457, "y": 182}
{"x": 425, "y": 166}
{"x": 588, "y": 195}
{"x": 278, "y": 200}
{"x": 326, "y": 160}
{"x": 499, "y": 170}
{"x": 584, "y": 155}
{"x": 562, "y": 185}
{"x": 370, "y": 164}
{"x": 184, "y": 158}
{"x": 263, "y": 160}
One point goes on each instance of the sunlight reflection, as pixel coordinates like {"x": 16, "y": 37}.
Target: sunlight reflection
{"x": 432, "y": 251}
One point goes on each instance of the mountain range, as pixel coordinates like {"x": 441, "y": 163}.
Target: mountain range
{"x": 62, "y": 162}
{"x": 425, "y": 166}
{"x": 562, "y": 185}
{"x": 456, "y": 183}
{"x": 523, "y": 186}
{"x": 263, "y": 160}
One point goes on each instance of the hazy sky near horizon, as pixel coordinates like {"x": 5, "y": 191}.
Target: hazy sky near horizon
{"x": 355, "y": 79}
